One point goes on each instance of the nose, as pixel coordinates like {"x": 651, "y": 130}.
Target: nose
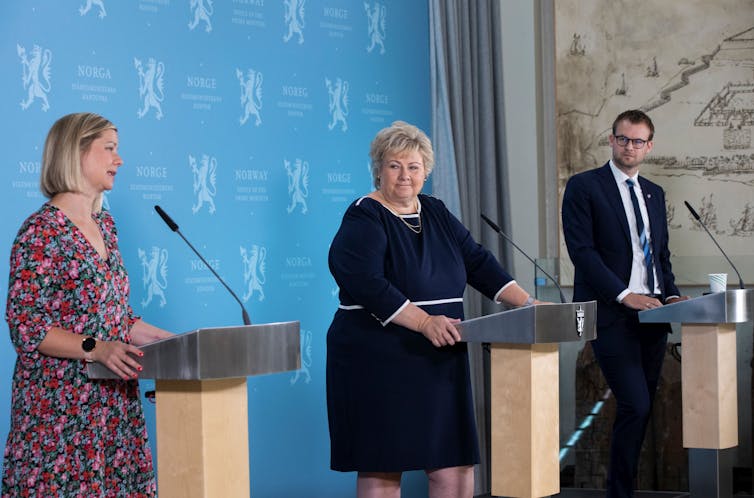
{"x": 118, "y": 161}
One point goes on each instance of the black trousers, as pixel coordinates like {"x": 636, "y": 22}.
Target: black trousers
{"x": 630, "y": 355}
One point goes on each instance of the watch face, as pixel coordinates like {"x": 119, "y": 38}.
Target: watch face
{"x": 88, "y": 344}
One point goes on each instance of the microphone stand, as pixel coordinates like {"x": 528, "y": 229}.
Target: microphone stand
{"x": 699, "y": 219}
{"x": 502, "y": 234}
{"x": 174, "y": 227}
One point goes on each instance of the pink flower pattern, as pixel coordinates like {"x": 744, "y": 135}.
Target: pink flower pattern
{"x": 71, "y": 436}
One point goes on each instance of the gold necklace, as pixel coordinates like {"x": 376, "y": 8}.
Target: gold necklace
{"x": 417, "y": 229}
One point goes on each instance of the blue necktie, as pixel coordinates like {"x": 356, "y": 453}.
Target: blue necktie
{"x": 642, "y": 238}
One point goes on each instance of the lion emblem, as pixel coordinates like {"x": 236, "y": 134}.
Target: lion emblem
{"x": 84, "y": 9}
{"x": 298, "y": 184}
{"x": 376, "y": 26}
{"x": 202, "y": 13}
{"x": 251, "y": 95}
{"x": 204, "y": 182}
{"x": 254, "y": 271}
{"x": 306, "y": 358}
{"x": 154, "y": 274}
{"x": 294, "y": 18}
{"x": 36, "y": 75}
{"x": 338, "y": 93}
{"x": 151, "y": 86}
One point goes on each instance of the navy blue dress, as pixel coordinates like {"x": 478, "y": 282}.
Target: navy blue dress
{"x": 395, "y": 402}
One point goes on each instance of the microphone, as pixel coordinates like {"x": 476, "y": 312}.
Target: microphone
{"x": 699, "y": 219}
{"x": 502, "y": 234}
{"x": 174, "y": 227}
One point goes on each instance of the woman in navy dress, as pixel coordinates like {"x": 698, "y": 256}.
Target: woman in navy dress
{"x": 398, "y": 384}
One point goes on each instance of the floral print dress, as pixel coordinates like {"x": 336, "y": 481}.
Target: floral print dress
{"x": 71, "y": 436}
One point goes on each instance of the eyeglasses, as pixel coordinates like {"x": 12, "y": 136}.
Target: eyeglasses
{"x": 623, "y": 140}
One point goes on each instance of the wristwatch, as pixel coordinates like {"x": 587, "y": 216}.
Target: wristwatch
{"x": 88, "y": 345}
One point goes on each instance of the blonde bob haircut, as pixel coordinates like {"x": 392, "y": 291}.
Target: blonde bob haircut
{"x": 400, "y": 137}
{"x": 69, "y": 139}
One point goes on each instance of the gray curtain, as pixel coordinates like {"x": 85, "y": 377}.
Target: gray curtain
{"x": 468, "y": 132}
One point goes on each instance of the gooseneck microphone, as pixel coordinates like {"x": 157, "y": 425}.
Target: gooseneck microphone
{"x": 503, "y": 235}
{"x": 174, "y": 227}
{"x": 699, "y": 219}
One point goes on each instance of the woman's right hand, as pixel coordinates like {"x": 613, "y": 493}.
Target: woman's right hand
{"x": 119, "y": 357}
{"x": 440, "y": 330}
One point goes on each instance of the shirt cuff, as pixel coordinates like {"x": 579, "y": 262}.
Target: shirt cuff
{"x": 622, "y": 295}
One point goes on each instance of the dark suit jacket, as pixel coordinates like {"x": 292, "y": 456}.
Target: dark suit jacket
{"x": 599, "y": 242}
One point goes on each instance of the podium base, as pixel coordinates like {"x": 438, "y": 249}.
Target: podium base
{"x": 524, "y": 418}
{"x": 203, "y": 438}
{"x": 710, "y": 473}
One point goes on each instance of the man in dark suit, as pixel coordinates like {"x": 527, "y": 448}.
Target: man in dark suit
{"x": 615, "y": 228}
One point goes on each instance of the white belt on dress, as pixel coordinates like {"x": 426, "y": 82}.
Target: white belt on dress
{"x": 349, "y": 307}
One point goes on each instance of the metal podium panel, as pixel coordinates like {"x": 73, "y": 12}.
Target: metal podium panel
{"x": 541, "y": 323}
{"x": 710, "y": 469}
{"x": 732, "y": 306}
{"x": 218, "y": 353}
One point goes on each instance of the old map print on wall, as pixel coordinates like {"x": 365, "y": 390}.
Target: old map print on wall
{"x": 690, "y": 66}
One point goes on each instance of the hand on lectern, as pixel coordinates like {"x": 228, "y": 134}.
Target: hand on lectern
{"x": 440, "y": 330}
{"x": 640, "y": 302}
{"x": 119, "y": 357}
{"x": 676, "y": 299}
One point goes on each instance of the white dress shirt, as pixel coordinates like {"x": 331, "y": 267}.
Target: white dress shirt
{"x": 638, "y": 281}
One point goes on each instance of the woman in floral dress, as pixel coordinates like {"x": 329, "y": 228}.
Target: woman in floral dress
{"x": 68, "y": 304}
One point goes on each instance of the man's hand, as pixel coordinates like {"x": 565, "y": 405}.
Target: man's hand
{"x": 677, "y": 299}
{"x": 640, "y": 303}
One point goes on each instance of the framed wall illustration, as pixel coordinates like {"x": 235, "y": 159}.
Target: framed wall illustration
{"x": 696, "y": 81}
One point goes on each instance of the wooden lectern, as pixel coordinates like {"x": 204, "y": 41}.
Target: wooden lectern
{"x": 524, "y": 407}
{"x": 202, "y": 407}
{"x": 708, "y": 382}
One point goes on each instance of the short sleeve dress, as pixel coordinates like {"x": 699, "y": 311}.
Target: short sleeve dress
{"x": 70, "y": 436}
{"x": 395, "y": 402}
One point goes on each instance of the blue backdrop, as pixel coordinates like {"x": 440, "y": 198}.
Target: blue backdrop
{"x": 249, "y": 122}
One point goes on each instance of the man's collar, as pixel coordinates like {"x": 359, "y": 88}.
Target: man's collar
{"x": 620, "y": 176}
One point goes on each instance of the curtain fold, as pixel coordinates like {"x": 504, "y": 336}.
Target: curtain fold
{"x": 468, "y": 134}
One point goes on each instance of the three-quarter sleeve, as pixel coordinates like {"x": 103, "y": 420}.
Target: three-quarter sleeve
{"x": 33, "y": 288}
{"x": 357, "y": 259}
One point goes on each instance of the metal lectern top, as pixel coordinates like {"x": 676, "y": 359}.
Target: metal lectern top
{"x": 733, "y": 306}
{"x": 536, "y": 324}
{"x": 218, "y": 353}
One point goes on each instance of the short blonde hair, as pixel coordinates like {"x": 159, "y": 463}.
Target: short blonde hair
{"x": 68, "y": 139}
{"x": 400, "y": 137}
